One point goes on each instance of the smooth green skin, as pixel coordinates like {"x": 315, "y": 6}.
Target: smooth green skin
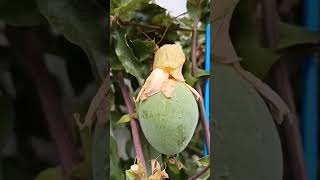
{"x": 246, "y": 144}
{"x": 169, "y": 123}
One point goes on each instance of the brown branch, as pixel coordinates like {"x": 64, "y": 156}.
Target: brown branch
{"x": 198, "y": 88}
{"x": 133, "y": 122}
{"x": 148, "y": 26}
{"x": 200, "y": 173}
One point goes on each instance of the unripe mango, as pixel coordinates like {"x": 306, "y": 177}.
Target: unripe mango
{"x": 169, "y": 123}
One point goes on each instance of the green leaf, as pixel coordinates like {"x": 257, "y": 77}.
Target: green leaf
{"x": 127, "y": 58}
{"x": 54, "y": 173}
{"x": 126, "y": 10}
{"x": 83, "y": 23}
{"x": 196, "y": 7}
{"x": 190, "y": 79}
{"x": 153, "y": 14}
{"x": 143, "y": 50}
{"x": 125, "y": 118}
{"x": 292, "y": 35}
{"x": 115, "y": 64}
{"x": 204, "y": 161}
{"x": 246, "y": 40}
{"x": 202, "y": 73}
{"x": 114, "y": 4}
{"x": 20, "y": 13}
{"x": 256, "y": 59}
{"x": 242, "y": 121}
{"x": 130, "y": 175}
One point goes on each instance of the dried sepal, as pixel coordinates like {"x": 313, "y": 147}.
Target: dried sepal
{"x": 157, "y": 174}
{"x": 138, "y": 170}
{"x": 153, "y": 84}
{"x": 195, "y": 92}
{"x": 175, "y": 161}
{"x": 168, "y": 87}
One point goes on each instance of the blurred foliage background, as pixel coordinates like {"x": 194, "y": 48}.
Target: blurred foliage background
{"x": 268, "y": 39}
{"x": 54, "y": 55}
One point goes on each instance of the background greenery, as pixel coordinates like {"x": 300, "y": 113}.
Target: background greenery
{"x": 54, "y": 56}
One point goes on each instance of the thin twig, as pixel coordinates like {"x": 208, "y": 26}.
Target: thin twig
{"x": 200, "y": 173}
{"x": 148, "y": 26}
{"x": 146, "y": 35}
{"x": 165, "y": 32}
{"x": 198, "y": 88}
{"x": 163, "y": 35}
{"x": 98, "y": 100}
{"x": 133, "y": 122}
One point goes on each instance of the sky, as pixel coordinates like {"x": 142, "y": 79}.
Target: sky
{"x": 175, "y": 7}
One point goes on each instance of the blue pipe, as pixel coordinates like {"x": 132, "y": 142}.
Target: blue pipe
{"x": 309, "y": 113}
{"x": 206, "y": 82}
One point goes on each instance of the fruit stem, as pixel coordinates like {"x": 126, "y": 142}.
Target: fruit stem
{"x": 197, "y": 85}
{"x": 133, "y": 123}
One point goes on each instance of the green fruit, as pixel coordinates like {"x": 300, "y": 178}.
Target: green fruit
{"x": 169, "y": 123}
{"x": 246, "y": 144}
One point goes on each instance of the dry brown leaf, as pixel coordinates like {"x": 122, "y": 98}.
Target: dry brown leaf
{"x": 138, "y": 170}
{"x": 157, "y": 174}
{"x": 172, "y": 161}
{"x": 153, "y": 84}
{"x": 134, "y": 168}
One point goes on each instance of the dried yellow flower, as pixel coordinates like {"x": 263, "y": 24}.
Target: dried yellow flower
{"x": 167, "y": 70}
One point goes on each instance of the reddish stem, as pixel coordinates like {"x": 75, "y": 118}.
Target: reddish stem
{"x": 133, "y": 122}
{"x": 198, "y": 88}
